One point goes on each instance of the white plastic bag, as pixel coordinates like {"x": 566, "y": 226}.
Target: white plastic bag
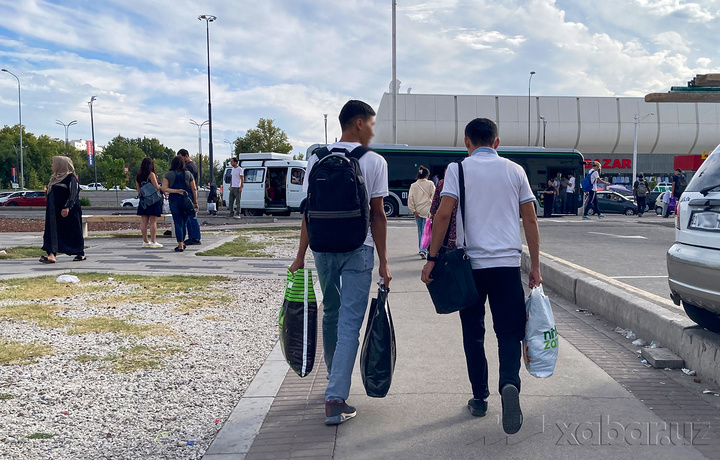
{"x": 166, "y": 207}
{"x": 67, "y": 279}
{"x": 540, "y": 346}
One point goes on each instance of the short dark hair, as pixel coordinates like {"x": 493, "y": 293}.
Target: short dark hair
{"x": 423, "y": 172}
{"x": 177, "y": 164}
{"x": 482, "y": 132}
{"x": 233, "y": 160}
{"x": 678, "y": 170}
{"x": 352, "y": 110}
{"x": 183, "y": 152}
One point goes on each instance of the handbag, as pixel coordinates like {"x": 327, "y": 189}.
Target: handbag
{"x": 453, "y": 287}
{"x": 149, "y": 195}
{"x": 379, "y": 351}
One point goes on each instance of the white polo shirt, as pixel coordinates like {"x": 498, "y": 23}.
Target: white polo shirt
{"x": 374, "y": 170}
{"x": 237, "y": 174}
{"x": 495, "y": 188}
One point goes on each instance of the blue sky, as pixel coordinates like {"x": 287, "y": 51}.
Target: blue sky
{"x": 293, "y": 60}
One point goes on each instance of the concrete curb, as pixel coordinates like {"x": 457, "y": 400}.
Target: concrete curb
{"x": 698, "y": 347}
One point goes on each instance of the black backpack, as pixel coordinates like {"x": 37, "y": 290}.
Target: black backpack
{"x": 337, "y": 210}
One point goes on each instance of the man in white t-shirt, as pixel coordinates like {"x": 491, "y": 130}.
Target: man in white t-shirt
{"x": 570, "y": 206}
{"x": 236, "y": 186}
{"x": 592, "y": 195}
{"x": 497, "y": 192}
{"x": 345, "y": 278}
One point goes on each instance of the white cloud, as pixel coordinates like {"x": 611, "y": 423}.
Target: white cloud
{"x": 673, "y": 41}
{"x": 493, "y": 40}
{"x": 694, "y": 12}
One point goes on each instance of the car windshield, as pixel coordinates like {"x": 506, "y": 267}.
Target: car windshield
{"x": 708, "y": 175}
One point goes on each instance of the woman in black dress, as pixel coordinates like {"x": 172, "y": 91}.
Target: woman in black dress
{"x": 63, "y": 216}
{"x": 152, "y": 212}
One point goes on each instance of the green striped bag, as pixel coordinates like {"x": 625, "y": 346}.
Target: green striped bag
{"x": 298, "y": 322}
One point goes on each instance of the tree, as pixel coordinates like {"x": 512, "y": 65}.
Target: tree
{"x": 266, "y": 137}
{"x": 112, "y": 169}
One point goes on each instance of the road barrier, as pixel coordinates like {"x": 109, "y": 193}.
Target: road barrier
{"x": 626, "y": 308}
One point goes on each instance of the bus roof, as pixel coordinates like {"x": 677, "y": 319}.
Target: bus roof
{"x": 264, "y": 156}
{"x": 502, "y": 148}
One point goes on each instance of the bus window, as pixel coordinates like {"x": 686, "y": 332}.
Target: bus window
{"x": 297, "y": 176}
{"x": 254, "y": 175}
{"x": 228, "y": 176}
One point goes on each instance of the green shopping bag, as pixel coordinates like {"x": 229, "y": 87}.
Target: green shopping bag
{"x": 298, "y": 322}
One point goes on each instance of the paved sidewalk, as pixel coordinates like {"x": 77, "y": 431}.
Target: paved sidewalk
{"x": 598, "y": 381}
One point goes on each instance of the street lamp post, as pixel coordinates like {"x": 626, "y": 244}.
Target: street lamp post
{"x": 92, "y": 129}
{"x": 232, "y": 147}
{"x": 544, "y": 121}
{"x": 634, "y": 160}
{"x": 529, "y": 95}
{"x": 199, "y": 127}
{"x": 208, "y": 18}
{"x": 394, "y": 71}
{"x": 325, "y": 115}
{"x": 66, "y": 126}
{"x": 22, "y": 168}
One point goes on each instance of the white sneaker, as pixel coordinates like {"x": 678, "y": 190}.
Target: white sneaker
{"x": 147, "y": 245}
{"x": 237, "y": 217}
{"x": 156, "y": 245}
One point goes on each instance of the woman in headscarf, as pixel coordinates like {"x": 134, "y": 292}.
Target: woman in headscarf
{"x": 63, "y": 216}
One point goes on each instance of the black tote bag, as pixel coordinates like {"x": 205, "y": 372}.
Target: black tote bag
{"x": 377, "y": 359}
{"x": 453, "y": 287}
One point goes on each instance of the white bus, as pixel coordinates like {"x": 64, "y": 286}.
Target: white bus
{"x": 273, "y": 184}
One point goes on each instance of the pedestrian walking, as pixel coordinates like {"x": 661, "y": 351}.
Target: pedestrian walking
{"x": 179, "y": 184}
{"x": 148, "y": 212}
{"x": 549, "y": 199}
{"x": 236, "y": 186}
{"x": 193, "y": 226}
{"x": 679, "y": 184}
{"x": 419, "y": 201}
{"x": 593, "y": 177}
{"x": 63, "y": 215}
{"x": 345, "y": 273}
{"x": 640, "y": 191}
{"x": 497, "y": 192}
{"x": 570, "y": 207}
{"x": 452, "y": 232}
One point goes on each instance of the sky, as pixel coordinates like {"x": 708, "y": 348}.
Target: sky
{"x": 295, "y": 60}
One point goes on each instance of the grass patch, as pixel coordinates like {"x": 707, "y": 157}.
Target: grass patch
{"x": 139, "y": 357}
{"x": 102, "y": 324}
{"x": 197, "y": 302}
{"x": 5, "y": 396}
{"x": 22, "y": 252}
{"x": 87, "y": 358}
{"x": 22, "y": 353}
{"x": 40, "y": 436}
{"x": 43, "y": 315}
{"x": 266, "y": 229}
{"x": 239, "y": 247}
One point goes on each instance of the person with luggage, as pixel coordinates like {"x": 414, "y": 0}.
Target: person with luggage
{"x": 497, "y": 192}
{"x": 679, "y": 185}
{"x": 589, "y": 185}
{"x": 343, "y": 222}
{"x": 193, "y": 226}
{"x": 570, "y": 195}
{"x": 640, "y": 191}
{"x": 212, "y": 200}
{"x": 236, "y": 186}
{"x": 419, "y": 201}
{"x": 148, "y": 212}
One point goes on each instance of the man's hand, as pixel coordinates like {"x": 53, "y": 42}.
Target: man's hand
{"x": 196, "y": 206}
{"x": 299, "y": 264}
{"x": 65, "y": 212}
{"x": 416, "y": 214}
{"x": 385, "y": 274}
{"x": 535, "y": 279}
{"x": 426, "y": 272}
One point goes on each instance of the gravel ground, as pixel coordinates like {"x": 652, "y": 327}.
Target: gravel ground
{"x": 38, "y": 225}
{"x": 280, "y": 245}
{"x": 94, "y": 413}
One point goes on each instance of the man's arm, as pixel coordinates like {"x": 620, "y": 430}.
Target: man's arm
{"x": 378, "y": 228}
{"x": 439, "y": 229}
{"x": 302, "y": 250}
{"x": 532, "y": 236}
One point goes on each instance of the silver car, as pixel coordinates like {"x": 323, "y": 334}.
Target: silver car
{"x": 694, "y": 260}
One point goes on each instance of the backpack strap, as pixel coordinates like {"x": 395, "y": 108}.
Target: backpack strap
{"x": 358, "y": 152}
{"x": 322, "y": 153}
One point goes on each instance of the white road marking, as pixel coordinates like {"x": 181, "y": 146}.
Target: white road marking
{"x": 638, "y": 277}
{"x": 634, "y": 237}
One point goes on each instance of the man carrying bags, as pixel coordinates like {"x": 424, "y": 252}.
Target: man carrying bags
{"x": 497, "y": 191}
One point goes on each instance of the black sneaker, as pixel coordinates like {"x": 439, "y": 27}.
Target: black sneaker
{"x": 190, "y": 242}
{"x": 336, "y": 412}
{"x": 478, "y": 407}
{"x": 512, "y": 417}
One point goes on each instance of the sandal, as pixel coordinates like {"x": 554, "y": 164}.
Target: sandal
{"x": 79, "y": 258}
{"x": 46, "y": 260}
{"x": 177, "y": 249}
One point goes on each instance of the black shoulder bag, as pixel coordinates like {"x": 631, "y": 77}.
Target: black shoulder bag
{"x": 453, "y": 287}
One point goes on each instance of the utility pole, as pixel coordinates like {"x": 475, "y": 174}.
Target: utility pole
{"x": 325, "y": 115}
{"x": 22, "y": 161}
{"x": 66, "y": 126}
{"x": 394, "y": 72}
{"x": 199, "y": 127}
{"x": 529, "y": 95}
{"x": 92, "y": 128}
{"x": 208, "y": 18}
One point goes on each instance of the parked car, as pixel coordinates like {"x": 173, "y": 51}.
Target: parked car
{"x": 615, "y": 203}
{"x": 694, "y": 260}
{"x": 7, "y": 195}
{"x": 95, "y": 186}
{"x": 118, "y": 187}
{"x": 135, "y": 202}
{"x": 28, "y": 199}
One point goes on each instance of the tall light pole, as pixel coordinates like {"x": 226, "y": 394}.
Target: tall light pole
{"x": 325, "y": 115}
{"x": 544, "y": 120}
{"x": 92, "y": 129}
{"x": 529, "y": 95}
{"x": 22, "y": 167}
{"x": 394, "y": 72}
{"x": 199, "y": 127}
{"x": 634, "y": 160}
{"x": 208, "y": 18}
{"x": 66, "y": 126}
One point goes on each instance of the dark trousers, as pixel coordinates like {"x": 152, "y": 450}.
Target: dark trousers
{"x": 503, "y": 287}
{"x": 591, "y": 203}
{"x": 570, "y": 206}
{"x": 641, "y": 203}
{"x": 548, "y": 203}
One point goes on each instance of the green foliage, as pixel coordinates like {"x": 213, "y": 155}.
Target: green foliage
{"x": 112, "y": 169}
{"x": 265, "y": 138}
{"x": 84, "y": 201}
{"x": 33, "y": 181}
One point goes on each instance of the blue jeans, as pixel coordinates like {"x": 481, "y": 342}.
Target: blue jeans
{"x": 592, "y": 203}
{"x": 345, "y": 281}
{"x": 193, "y": 228}
{"x": 420, "y": 221}
{"x": 179, "y": 219}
